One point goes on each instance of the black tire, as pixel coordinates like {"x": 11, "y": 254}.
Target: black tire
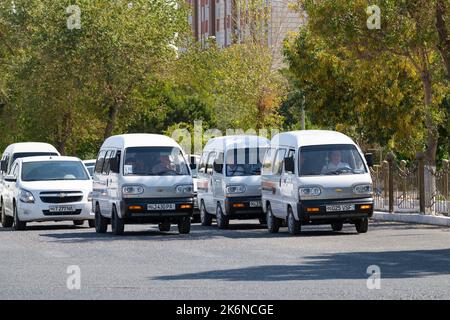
{"x": 117, "y": 223}
{"x": 184, "y": 225}
{"x": 362, "y": 225}
{"x": 273, "y": 223}
{"x": 7, "y": 221}
{"x": 164, "y": 226}
{"x": 222, "y": 220}
{"x": 78, "y": 222}
{"x": 205, "y": 217}
{"x": 101, "y": 223}
{"x": 337, "y": 226}
{"x": 294, "y": 226}
{"x": 18, "y": 225}
{"x": 91, "y": 223}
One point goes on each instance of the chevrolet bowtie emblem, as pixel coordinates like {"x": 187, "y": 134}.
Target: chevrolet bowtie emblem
{"x": 338, "y": 190}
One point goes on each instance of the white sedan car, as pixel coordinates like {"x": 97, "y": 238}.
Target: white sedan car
{"x": 47, "y": 188}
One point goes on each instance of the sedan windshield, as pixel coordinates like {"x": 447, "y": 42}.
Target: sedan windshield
{"x": 53, "y": 170}
{"x": 155, "y": 161}
{"x": 244, "y": 161}
{"x": 333, "y": 159}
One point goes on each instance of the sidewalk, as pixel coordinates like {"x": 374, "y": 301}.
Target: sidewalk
{"x": 412, "y": 218}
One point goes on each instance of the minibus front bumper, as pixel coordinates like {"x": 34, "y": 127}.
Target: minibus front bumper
{"x": 315, "y": 211}
{"x": 139, "y": 209}
{"x": 244, "y": 207}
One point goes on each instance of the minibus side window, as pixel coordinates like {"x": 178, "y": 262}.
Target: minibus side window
{"x": 202, "y": 165}
{"x": 268, "y": 160}
{"x": 278, "y": 162}
{"x": 100, "y": 161}
{"x": 209, "y": 164}
{"x": 7, "y": 163}
{"x": 105, "y": 169}
{"x": 219, "y": 160}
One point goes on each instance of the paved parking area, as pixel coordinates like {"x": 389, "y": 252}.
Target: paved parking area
{"x": 244, "y": 262}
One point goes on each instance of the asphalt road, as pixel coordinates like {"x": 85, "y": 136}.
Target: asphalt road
{"x": 244, "y": 262}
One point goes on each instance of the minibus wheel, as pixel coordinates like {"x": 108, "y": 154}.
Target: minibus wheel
{"x": 164, "y": 226}
{"x": 184, "y": 225}
{"x": 101, "y": 223}
{"x": 273, "y": 223}
{"x": 117, "y": 224}
{"x": 18, "y": 225}
{"x": 337, "y": 226}
{"x": 222, "y": 220}
{"x": 294, "y": 226}
{"x": 362, "y": 225}
{"x": 7, "y": 221}
{"x": 205, "y": 217}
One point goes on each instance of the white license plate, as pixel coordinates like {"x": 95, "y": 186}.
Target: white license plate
{"x": 61, "y": 209}
{"x": 254, "y": 204}
{"x": 340, "y": 207}
{"x": 161, "y": 206}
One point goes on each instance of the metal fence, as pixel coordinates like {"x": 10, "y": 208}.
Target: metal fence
{"x": 411, "y": 187}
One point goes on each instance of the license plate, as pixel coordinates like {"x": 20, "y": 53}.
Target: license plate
{"x": 254, "y": 204}
{"x": 161, "y": 206}
{"x": 61, "y": 209}
{"x": 340, "y": 207}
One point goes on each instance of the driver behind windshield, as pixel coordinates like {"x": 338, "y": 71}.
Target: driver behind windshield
{"x": 335, "y": 163}
{"x": 164, "y": 165}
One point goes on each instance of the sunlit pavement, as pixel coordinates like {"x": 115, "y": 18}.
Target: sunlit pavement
{"x": 244, "y": 262}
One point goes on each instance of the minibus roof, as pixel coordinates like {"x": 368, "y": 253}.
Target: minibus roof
{"x": 236, "y": 141}
{"x": 139, "y": 140}
{"x": 49, "y": 158}
{"x": 21, "y": 147}
{"x": 310, "y": 138}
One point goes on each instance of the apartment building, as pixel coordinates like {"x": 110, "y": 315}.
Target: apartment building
{"x": 235, "y": 21}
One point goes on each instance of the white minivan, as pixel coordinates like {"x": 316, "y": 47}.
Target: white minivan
{"x": 229, "y": 179}
{"x": 47, "y": 188}
{"x": 316, "y": 177}
{"x": 142, "y": 178}
{"x": 21, "y": 150}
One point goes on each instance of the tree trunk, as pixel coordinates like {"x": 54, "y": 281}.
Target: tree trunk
{"x": 444, "y": 39}
{"x": 111, "y": 122}
{"x": 432, "y": 134}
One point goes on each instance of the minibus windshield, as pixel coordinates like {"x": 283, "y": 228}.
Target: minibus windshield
{"x": 53, "y": 170}
{"x": 244, "y": 161}
{"x": 154, "y": 161}
{"x": 332, "y": 159}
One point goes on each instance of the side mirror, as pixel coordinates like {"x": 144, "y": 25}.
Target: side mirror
{"x": 218, "y": 167}
{"x": 369, "y": 159}
{"x": 193, "y": 166}
{"x": 3, "y": 165}
{"x": 289, "y": 165}
{"x": 10, "y": 178}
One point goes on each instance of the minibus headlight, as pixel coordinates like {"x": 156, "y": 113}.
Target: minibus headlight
{"x": 240, "y": 188}
{"x": 132, "y": 190}
{"x": 362, "y": 189}
{"x": 185, "y": 188}
{"x": 26, "y": 196}
{"x": 309, "y": 191}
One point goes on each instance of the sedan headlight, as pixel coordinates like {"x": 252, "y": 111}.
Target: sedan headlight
{"x": 132, "y": 190}
{"x": 239, "y": 188}
{"x": 362, "y": 189}
{"x": 26, "y": 196}
{"x": 185, "y": 188}
{"x": 309, "y": 191}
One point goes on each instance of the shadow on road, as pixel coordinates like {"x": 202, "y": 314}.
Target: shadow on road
{"x": 349, "y": 265}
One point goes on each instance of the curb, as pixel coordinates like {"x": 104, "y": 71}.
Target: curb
{"x": 412, "y": 218}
